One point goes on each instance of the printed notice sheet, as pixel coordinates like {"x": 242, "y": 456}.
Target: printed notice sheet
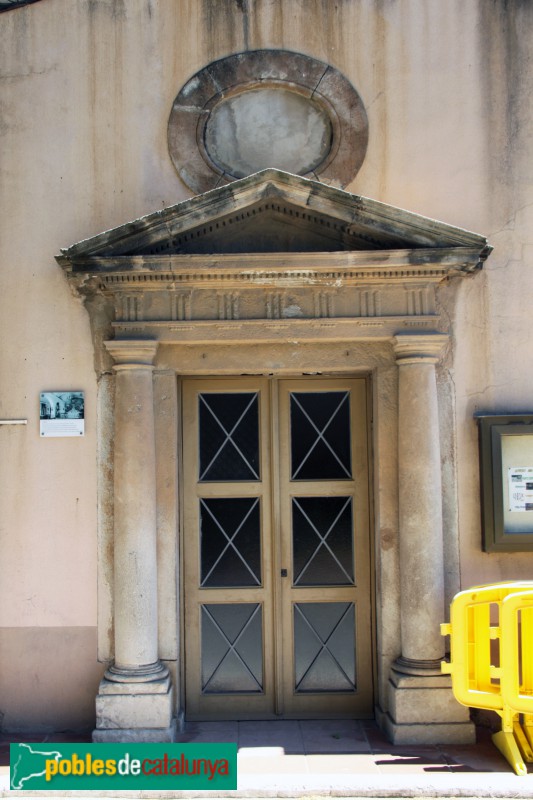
{"x": 520, "y": 488}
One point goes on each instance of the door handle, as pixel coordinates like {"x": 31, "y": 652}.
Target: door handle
{"x": 284, "y": 573}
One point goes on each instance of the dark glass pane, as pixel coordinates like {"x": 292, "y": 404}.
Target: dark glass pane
{"x": 320, "y": 436}
{"x": 230, "y": 542}
{"x": 229, "y": 437}
{"x": 324, "y": 647}
{"x": 322, "y": 541}
{"x": 232, "y": 648}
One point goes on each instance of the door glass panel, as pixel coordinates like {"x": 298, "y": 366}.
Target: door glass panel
{"x": 320, "y": 436}
{"x": 322, "y": 541}
{"x": 229, "y": 436}
{"x": 324, "y": 647}
{"x": 230, "y": 548}
{"x": 232, "y": 648}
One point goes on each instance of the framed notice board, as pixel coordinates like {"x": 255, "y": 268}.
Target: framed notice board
{"x": 506, "y": 463}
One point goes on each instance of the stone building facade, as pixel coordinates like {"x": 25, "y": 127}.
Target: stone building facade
{"x": 244, "y": 231}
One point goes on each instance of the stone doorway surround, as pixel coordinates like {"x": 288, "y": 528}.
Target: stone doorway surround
{"x": 272, "y": 274}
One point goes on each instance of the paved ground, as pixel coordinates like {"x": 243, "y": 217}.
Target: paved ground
{"x": 308, "y": 758}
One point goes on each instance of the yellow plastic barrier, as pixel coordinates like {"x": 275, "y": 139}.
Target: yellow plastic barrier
{"x": 517, "y": 648}
{"x": 506, "y": 686}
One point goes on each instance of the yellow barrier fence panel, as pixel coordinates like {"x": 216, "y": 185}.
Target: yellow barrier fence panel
{"x": 475, "y": 680}
{"x": 517, "y": 652}
{"x": 527, "y": 667}
{"x": 477, "y": 641}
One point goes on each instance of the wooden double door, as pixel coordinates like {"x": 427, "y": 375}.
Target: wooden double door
{"x": 276, "y": 545}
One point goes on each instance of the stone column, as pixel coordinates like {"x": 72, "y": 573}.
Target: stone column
{"x": 421, "y": 706}
{"x": 134, "y": 702}
{"x": 420, "y": 504}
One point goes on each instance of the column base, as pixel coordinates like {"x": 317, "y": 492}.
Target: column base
{"x": 151, "y": 672}
{"x": 423, "y": 710}
{"x": 135, "y": 712}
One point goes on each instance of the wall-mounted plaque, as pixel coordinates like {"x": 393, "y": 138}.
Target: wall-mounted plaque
{"x": 506, "y": 452}
{"x": 62, "y": 414}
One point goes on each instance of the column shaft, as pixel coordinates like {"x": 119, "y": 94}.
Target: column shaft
{"x": 135, "y": 513}
{"x": 420, "y": 503}
{"x": 135, "y": 520}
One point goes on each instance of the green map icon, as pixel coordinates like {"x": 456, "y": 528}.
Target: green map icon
{"x": 29, "y": 764}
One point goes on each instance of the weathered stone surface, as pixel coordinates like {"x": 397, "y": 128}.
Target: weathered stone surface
{"x": 136, "y": 734}
{"x": 409, "y": 722}
{"x": 410, "y": 704}
{"x": 166, "y": 420}
{"x": 268, "y": 72}
{"x": 135, "y": 593}
{"x": 160, "y": 686}
{"x": 422, "y": 734}
{"x": 355, "y": 223}
{"x": 137, "y": 692}
{"x": 420, "y": 498}
{"x": 349, "y": 151}
{"x": 267, "y": 65}
{"x": 291, "y": 132}
{"x": 134, "y": 710}
{"x": 225, "y": 313}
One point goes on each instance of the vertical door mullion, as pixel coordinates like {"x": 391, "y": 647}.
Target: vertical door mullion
{"x": 277, "y": 553}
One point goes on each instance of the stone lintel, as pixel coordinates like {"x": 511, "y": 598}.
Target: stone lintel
{"x": 266, "y": 331}
{"x": 132, "y": 352}
{"x": 415, "y": 348}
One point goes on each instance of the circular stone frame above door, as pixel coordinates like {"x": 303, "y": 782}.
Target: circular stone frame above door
{"x": 242, "y": 112}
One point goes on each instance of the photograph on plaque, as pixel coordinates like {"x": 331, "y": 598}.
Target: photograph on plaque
{"x": 62, "y": 414}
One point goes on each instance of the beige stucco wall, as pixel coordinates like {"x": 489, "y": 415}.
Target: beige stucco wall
{"x": 86, "y": 91}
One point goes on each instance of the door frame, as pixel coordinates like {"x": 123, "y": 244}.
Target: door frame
{"x": 372, "y": 304}
{"x": 372, "y": 355}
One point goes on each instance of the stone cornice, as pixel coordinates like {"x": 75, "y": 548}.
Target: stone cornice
{"x": 428, "y": 264}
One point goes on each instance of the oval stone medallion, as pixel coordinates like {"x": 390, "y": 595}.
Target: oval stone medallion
{"x": 270, "y": 127}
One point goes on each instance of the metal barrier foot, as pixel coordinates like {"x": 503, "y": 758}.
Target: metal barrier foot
{"x": 527, "y": 727}
{"x": 506, "y": 744}
{"x": 522, "y": 742}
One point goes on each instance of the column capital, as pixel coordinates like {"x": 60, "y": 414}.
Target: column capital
{"x": 134, "y": 352}
{"x": 416, "y": 348}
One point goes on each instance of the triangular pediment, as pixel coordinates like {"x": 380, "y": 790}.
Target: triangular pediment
{"x": 272, "y": 212}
